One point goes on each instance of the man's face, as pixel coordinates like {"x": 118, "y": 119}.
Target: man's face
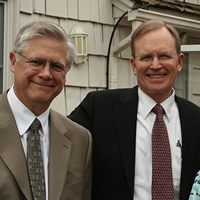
{"x": 38, "y": 88}
{"x": 156, "y": 78}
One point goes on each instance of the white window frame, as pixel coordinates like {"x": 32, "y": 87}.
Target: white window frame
{"x": 190, "y": 48}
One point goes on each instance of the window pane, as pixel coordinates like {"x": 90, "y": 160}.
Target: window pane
{"x": 79, "y": 45}
{"x": 84, "y": 45}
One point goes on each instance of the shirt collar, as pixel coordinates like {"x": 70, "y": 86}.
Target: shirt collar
{"x": 24, "y": 117}
{"x": 169, "y": 105}
{"x": 146, "y": 104}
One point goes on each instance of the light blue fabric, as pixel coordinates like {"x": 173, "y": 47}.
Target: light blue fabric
{"x": 195, "y": 192}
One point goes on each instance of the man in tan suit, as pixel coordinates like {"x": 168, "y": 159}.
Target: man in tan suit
{"x": 41, "y": 57}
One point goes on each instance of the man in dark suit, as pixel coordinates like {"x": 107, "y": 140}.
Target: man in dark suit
{"x": 121, "y": 122}
{"x": 41, "y": 57}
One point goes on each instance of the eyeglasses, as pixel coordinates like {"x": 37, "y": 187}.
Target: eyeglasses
{"x": 37, "y": 64}
{"x": 164, "y": 58}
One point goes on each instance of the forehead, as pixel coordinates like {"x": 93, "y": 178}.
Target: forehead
{"x": 162, "y": 32}
{"x": 47, "y": 48}
{"x": 155, "y": 40}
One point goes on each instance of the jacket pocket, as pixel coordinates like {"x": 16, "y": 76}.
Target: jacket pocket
{"x": 73, "y": 187}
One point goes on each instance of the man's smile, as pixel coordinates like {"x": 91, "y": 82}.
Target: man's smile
{"x": 156, "y": 75}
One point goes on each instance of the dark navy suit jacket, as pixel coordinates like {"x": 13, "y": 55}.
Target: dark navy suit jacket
{"x": 111, "y": 117}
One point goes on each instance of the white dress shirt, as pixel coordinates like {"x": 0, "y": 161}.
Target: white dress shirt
{"x": 24, "y": 118}
{"x": 143, "y": 160}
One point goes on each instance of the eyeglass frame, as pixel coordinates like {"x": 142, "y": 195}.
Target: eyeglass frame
{"x": 45, "y": 63}
{"x": 151, "y": 57}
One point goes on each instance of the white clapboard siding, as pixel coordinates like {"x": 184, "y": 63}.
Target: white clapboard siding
{"x": 56, "y": 8}
{"x": 97, "y": 71}
{"x": 126, "y": 53}
{"x": 25, "y": 18}
{"x": 116, "y": 38}
{"x": 94, "y": 10}
{"x": 59, "y": 103}
{"x": 78, "y": 75}
{"x": 74, "y": 95}
{"x": 39, "y": 6}
{"x": 94, "y": 32}
{"x": 89, "y": 29}
{"x": 107, "y": 31}
{"x": 124, "y": 74}
{"x": 64, "y": 23}
{"x": 98, "y": 39}
{"x": 117, "y": 12}
{"x": 84, "y": 7}
{"x": 49, "y": 18}
{"x": 122, "y": 5}
{"x": 105, "y": 9}
{"x": 72, "y": 11}
{"x": 73, "y": 98}
{"x": 26, "y": 6}
{"x": 123, "y": 33}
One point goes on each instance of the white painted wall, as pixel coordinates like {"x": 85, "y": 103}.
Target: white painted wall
{"x": 97, "y": 19}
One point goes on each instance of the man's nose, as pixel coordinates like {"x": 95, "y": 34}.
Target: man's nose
{"x": 45, "y": 72}
{"x": 155, "y": 63}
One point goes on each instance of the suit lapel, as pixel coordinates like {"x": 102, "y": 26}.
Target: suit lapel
{"x": 59, "y": 155}
{"x": 126, "y": 117}
{"x": 11, "y": 150}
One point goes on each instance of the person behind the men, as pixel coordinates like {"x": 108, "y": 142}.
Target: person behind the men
{"x": 42, "y": 55}
{"x": 121, "y": 122}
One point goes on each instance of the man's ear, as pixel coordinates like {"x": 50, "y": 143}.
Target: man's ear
{"x": 12, "y": 61}
{"x": 180, "y": 62}
{"x": 132, "y": 60}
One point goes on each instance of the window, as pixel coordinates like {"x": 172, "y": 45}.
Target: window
{"x": 188, "y": 81}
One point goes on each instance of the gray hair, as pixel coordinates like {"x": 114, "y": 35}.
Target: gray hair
{"x": 45, "y": 29}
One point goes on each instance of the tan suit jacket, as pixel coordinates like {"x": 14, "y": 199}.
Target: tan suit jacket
{"x": 69, "y": 159}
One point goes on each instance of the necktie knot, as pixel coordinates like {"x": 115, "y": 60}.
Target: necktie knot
{"x": 158, "y": 109}
{"x": 35, "y": 126}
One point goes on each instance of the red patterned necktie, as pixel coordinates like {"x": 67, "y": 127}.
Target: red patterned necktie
{"x": 162, "y": 181}
{"x": 35, "y": 162}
